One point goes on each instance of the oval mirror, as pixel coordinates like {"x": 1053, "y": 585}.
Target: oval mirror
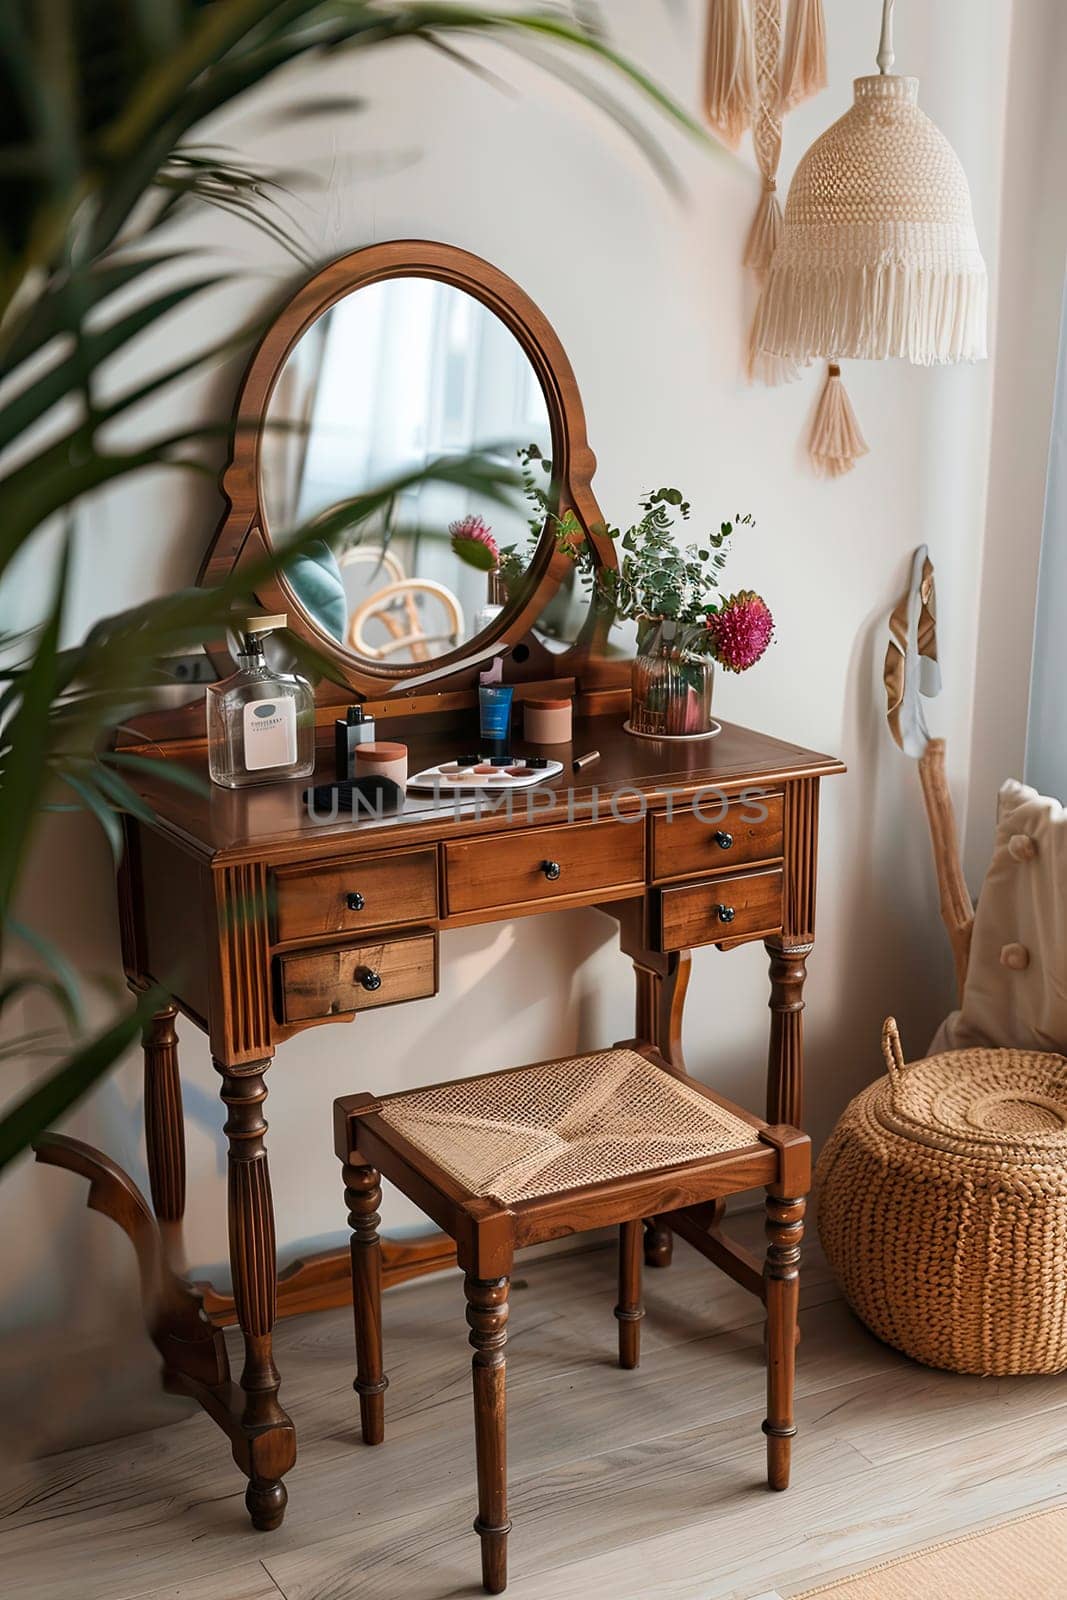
{"x": 394, "y": 375}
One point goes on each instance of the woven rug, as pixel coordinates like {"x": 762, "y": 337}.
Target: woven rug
{"x": 1021, "y": 1560}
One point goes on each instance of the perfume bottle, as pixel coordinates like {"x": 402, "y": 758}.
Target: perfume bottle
{"x": 260, "y": 723}
{"x": 356, "y": 728}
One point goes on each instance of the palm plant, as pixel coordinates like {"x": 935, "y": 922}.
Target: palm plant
{"x": 102, "y": 100}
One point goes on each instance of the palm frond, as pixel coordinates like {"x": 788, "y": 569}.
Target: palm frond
{"x": 44, "y": 1106}
{"x": 102, "y": 160}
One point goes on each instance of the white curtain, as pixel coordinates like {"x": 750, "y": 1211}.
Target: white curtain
{"x": 1046, "y": 741}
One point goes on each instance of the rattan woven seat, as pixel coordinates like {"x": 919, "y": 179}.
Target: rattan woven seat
{"x": 539, "y": 1130}
{"x": 540, "y": 1152}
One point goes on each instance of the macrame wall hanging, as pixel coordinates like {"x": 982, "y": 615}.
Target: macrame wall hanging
{"x": 751, "y": 82}
{"x": 877, "y": 255}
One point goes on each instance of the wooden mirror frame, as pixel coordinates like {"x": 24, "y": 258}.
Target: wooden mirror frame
{"x": 243, "y": 537}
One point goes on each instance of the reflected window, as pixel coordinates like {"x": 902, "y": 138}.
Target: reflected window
{"x": 392, "y": 377}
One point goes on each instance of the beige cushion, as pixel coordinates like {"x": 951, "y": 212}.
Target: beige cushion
{"x": 1016, "y": 989}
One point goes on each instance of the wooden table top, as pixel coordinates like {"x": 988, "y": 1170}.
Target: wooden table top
{"x": 272, "y": 820}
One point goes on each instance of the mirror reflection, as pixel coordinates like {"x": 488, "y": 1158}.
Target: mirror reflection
{"x": 394, "y": 376}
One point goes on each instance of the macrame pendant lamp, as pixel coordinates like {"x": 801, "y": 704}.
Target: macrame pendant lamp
{"x": 878, "y": 255}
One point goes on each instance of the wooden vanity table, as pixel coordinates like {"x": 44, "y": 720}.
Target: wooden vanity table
{"x": 259, "y": 920}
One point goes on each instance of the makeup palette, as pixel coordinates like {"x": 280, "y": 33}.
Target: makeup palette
{"x": 502, "y": 772}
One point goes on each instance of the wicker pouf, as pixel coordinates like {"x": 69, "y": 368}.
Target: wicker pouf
{"x": 942, "y": 1208}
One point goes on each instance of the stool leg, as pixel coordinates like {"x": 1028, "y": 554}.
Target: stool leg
{"x": 629, "y": 1310}
{"x": 363, "y": 1196}
{"x": 487, "y": 1316}
{"x": 785, "y": 1229}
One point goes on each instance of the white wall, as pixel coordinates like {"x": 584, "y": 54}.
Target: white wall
{"x": 649, "y": 299}
{"x": 1033, "y": 255}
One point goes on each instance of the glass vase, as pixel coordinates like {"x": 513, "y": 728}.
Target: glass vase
{"x": 673, "y": 678}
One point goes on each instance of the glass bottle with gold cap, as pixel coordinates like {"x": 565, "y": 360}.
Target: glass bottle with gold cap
{"x": 260, "y": 722}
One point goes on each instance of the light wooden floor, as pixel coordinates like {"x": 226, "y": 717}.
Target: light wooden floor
{"x": 624, "y": 1486}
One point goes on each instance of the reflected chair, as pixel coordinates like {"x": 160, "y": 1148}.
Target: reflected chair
{"x": 396, "y": 608}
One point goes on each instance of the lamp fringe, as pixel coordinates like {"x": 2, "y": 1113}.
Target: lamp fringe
{"x": 772, "y": 371}
{"x": 765, "y": 232}
{"x": 804, "y": 69}
{"x": 729, "y": 70}
{"x": 924, "y": 314}
{"x": 836, "y": 442}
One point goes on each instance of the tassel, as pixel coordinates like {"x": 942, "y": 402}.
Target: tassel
{"x": 836, "y": 441}
{"x": 765, "y": 232}
{"x": 729, "y": 70}
{"x": 804, "y": 71}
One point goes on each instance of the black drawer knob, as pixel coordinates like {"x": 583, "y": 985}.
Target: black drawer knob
{"x": 725, "y": 913}
{"x": 725, "y": 841}
{"x": 370, "y": 979}
{"x": 551, "y": 870}
{"x": 355, "y": 901}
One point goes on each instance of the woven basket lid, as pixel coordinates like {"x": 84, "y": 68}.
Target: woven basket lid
{"x": 878, "y": 254}
{"x": 989, "y": 1102}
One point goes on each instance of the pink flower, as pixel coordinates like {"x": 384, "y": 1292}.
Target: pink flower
{"x": 473, "y": 542}
{"x": 741, "y": 630}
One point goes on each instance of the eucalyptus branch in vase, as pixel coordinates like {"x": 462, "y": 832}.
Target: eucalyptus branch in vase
{"x": 683, "y": 627}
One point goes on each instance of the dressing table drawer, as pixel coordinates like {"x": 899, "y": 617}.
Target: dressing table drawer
{"x": 350, "y": 978}
{"x": 510, "y": 869}
{"x": 688, "y": 843}
{"x": 368, "y": 892}
{"x": 745, "y": 907}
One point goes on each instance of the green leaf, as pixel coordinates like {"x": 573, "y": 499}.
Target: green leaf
{"x": 63, "y": 377}
{"x": 26, "y": 769}
{"x": 98, "y": 807}
{"x": 30, "y": 1118}
{"x": 48, "y": 314}
{"x": 174, "y": 772}
{"x": 27, "y": 982}
{"x": 117, "y": 791}
{"x": 62, "y": 971}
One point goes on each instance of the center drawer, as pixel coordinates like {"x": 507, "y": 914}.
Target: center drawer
{"x": 355, "y": 977}
{"x": 366, "y": 892}
{"x": 542, "y": 864}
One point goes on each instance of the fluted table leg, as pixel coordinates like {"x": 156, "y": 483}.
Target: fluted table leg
{"x": 785, "y": 1059}
{"x": 164, "y": 1120}
{"x": 268, "y": 1437}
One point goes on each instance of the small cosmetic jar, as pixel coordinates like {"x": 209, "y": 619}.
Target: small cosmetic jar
{"x": 383, "y": 760}
{"x": 547, "y": 721}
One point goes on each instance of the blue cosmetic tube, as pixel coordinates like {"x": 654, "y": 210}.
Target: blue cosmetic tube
{"x": 494, "y": 704}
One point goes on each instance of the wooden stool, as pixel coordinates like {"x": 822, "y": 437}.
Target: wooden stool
{"x": 543, "y": 1151}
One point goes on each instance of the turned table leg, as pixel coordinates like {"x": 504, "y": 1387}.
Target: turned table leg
{"x": 363, "y": 1195}
{"x": 785, "y": 1230}
{"x": 163, "y": 1118}
{"x": 266, "y": 1433}
{"x": 487, "y": 1317}
{"x": 785, "y": 1058}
